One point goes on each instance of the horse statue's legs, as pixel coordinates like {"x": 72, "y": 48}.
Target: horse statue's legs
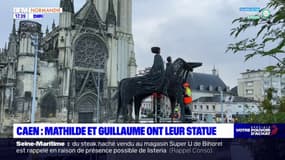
{"x": 118, "y": 114}
{"x": 124, "y": 112}
{"x": 137, "y": 109}
{"x": 119, "y": 106}
{"x": 182, "y": 106}
{"x": 130, "y": 110}
{"x": 172, "y": 103}
{"x": 122, "y": 108}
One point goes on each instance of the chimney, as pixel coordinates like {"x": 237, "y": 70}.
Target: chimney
{"x": 214, "y": 71}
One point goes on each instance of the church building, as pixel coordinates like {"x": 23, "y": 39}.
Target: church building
{"x": 80, "y": 63}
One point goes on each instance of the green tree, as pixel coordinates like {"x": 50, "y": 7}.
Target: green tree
{"x": 282, "y": 105}
{"x": 269, "y": 39}
{"x": 266, "y": 103}
{"x": 267, "y": 115}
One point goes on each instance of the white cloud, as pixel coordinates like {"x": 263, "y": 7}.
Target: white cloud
{"x": 196, "y": 30}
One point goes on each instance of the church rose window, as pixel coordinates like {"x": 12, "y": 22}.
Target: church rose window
{"x": 90, "y": 52}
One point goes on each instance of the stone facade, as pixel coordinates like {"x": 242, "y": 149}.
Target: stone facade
{"x": 84, "y": 56}
{"x": 210, "y": 109}
{"x": 254, "y": 84}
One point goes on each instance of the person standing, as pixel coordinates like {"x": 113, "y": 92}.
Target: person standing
{"x": 187, "y": 94}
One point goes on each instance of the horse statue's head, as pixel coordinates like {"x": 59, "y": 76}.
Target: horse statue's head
{"x": 181, "y": 69}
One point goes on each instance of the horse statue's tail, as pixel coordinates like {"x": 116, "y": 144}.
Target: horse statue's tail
{"x": 119, "y": 103}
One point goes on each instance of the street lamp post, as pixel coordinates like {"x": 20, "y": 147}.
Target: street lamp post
{"x": 154, "y": 95}
{"x": 34, "y": 104}
{"x": 222, "y": 107}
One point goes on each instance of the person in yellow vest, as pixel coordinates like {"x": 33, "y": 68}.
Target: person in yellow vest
{"x": 176, "y": 111}
{"x": 177, "y": 114}
{"x": 187, "y": 94}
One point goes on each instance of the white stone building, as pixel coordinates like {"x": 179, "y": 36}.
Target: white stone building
{"x": 147, "y": 106}
{"x": 88, "y": 50}
{"x": 210, "y": 109}
{"x": 207, "y": 85}
{"x": 254, "y": 84}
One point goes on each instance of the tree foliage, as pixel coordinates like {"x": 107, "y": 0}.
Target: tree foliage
{"x": 267, "y": 116}
{"x": 269, "y": 39}
{"x": 282, "y": 105}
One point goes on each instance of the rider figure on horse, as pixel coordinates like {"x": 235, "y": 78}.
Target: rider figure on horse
{"x": 154, "y": 79}
{"x": 168, "y": 75}
{"x": 158, "y": 65}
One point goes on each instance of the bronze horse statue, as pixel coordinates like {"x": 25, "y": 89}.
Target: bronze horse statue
{"x": 138, "y": 88}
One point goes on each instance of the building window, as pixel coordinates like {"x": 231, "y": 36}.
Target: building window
{"x": 48, "y": 106}
{"x": 201, "y": 107}
{"x": 214, "y": 107}
{"x": 90, "y": 52}
{"x": 200, "y": 117}
{"x": 202, "y": 88}
{"x": 207, "y": 107}
{"x": 219, "y": 88}
{"x": 249, "y": 84}
{"x": 211, "y": 88}
{"x": 195, "y": 107}
{"x": 267, "y": 84}
{"x": 205, "y": 117}
{"x": 249, "y": 91}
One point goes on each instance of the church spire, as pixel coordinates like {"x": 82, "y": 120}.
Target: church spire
{"x": 14, "y": 27}
{"x": 5, "y": 48}
{"x": 132, "y": 61}
{"x": 47, "y": 30}
{"x": 53, "y": 24}
{"x": 13, "y": 34}
{"x": 111, "y": 16}
{"x": 214, "y": 71}
{"x": 132, "y": 65}
{"x": 12, "y": 44}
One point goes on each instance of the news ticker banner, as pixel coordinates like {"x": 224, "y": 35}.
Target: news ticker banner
{"x": 34, "y": 12}
{"x": 182, "y": 130}
{"x": 93, "y": 130}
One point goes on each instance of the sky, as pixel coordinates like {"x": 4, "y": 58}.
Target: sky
{"x": 195, "y": 30}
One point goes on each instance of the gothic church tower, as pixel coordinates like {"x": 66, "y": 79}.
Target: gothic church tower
{"x": 96, "y": 51}
{"x": 81, "y": 60}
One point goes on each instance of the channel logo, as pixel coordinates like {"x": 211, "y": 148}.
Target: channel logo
{"x": 34, "y": 13}
{"x": 265, "y": 13}
{"x": 258, "y": 130}
{"x": 274, "y": 130}
{"x": 38, "y": 16}
{"x": 256, "y": 13}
